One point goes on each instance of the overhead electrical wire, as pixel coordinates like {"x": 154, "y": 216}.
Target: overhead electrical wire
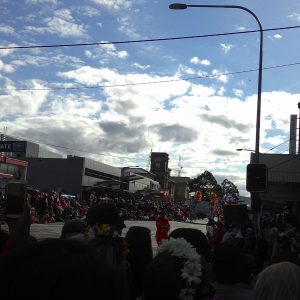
{"x": 139, "y": 159}
{"x": 145, "y": 40}
{"x": 150, "y": 82}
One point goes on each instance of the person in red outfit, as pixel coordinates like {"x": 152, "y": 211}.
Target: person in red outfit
{"x": 162, "y": 228}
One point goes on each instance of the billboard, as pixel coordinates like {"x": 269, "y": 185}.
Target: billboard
{"x": 12, "y": 146}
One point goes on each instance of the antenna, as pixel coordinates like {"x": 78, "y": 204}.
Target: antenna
{"x": 179, "y": 166}
{"x": 149, "y": 160}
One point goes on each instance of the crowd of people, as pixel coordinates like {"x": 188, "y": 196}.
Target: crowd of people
{"x": 93, "y": 257}
{"x": 49, "y": 207}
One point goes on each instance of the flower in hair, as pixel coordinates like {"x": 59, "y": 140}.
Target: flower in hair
{"x": 192, "y": 268}
{"x": 105, "y": 230}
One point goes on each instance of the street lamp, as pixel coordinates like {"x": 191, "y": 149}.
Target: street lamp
{"x": 179, "y": 6}
{"x": 242, "y": 149}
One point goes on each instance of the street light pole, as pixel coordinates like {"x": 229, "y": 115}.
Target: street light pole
{"x": 179, "y": 6}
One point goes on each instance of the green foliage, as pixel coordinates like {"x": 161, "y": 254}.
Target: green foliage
{"x": 229, "y": 189}
{"x": 206, "y": 183}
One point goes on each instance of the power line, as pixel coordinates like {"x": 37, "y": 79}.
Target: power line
{"x": 105, "y": 154}
{"x": 145, "y": 40}
{"x": 151, "y": 82}
{"x": 277, "y": 146}
{"x": 284, "y": 162}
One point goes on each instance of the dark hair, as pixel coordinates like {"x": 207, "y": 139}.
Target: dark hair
{"x": 196, "y": 237}
{"x": 225, "y": 260}
{"x": 163, "y": 280}
{"x": 104, "y": 214}
{"x": 53, "y": 266}
{"x": 138, "y": 240}
{"x": 73, "y": 227}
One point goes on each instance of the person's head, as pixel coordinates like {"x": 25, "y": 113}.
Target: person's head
{"x": 225, "y": 261}
{"x": 196, "y": 237}
{"x": 138, "y": 240}
{"x": 75, "y": 229}
{"x": 63, "y": 265}
{"x": 176, "y": 272}
{"x": 279, "y": 281}
{"x": 105, "y": 214}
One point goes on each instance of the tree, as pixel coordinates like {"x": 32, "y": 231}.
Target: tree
{"x": 229, "y": 189}
{"x": 206, "y": 183}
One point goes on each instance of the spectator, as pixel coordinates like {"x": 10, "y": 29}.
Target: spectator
{"x": 196, "y": 237}
{"x": 57, "y": 268}
{"x": 177, "y": 272}
{"x": 106, "y": 226}
{"x": 232, "y": 273}
{"x": 75, "y": 229}
{"x": 279, "y": 281}
{"x": 138, "y": 239}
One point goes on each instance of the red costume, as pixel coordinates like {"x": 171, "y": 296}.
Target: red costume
{"x": 162, "y": 228}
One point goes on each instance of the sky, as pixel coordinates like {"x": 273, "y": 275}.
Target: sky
{"x": 195, "y": 99}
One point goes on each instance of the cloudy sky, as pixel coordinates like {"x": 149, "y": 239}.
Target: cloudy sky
{"x": 192, "y": 98}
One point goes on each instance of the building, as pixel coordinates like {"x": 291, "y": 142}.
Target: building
{"x": 12, "y": 169}
{"x": 30, "y": 149}
{"x": 71, "y": 175}
{"x": 137, "y": 179}
{"x": 159, "y": 167}
{"x": 181, "y": 188}
{"x": 283, "y": 183}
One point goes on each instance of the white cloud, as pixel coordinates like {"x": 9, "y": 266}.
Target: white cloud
{"x": 43, "y": 61}
{"x": 5, "y": 52}
{"x": 6, "y": 29}
{"x": 241, "y": 28}
{"x": 221, "y": 91}
{"x": 220, "y": 121}
{"x": 220, "y": 76}
{"x": 41, "y": 1}
{"x": 111, "y": 50}
{"x": 202, "y": 73}
{"x": 182, "y": 70}
{"x": 226, "y": 47}
{"x": 90, "y": 11}
{"x": 295, "y": 16}
{"x": 114, "y": 4}
{"x": 277, "y": 36}
{"x": 106, "y": 52}
{"x": 141, "y": 67}
{"x": 195, "y": 60}
{"x": 6, "y": 68}
{"x": 22, "y": 102}
{"x": 72, "y": 106}
{"x": 62, "y": 24}
{"x": 238, "y": 92}
{"x": 127, "y": 27}
{"x": 88, "y": 53}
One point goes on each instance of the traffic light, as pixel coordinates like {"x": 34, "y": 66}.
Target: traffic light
{"x": 257, "y": 178}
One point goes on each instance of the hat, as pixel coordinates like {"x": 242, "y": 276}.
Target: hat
{"x": 104, "y": 214}
{"x": 73, "y": 227}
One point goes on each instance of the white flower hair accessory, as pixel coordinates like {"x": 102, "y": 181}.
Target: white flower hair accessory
{"x": 192, "y": 268}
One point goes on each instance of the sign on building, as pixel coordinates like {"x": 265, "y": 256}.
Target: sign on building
{"x": 12, "y": 146}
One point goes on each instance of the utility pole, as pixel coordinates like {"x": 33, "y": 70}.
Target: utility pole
{"x": 299, "y": 130}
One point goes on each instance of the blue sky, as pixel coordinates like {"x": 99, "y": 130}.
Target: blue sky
{"x": 71, "y": 96}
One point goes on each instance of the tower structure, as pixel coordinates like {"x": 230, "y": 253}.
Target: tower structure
{"x": 159, "y": 167}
